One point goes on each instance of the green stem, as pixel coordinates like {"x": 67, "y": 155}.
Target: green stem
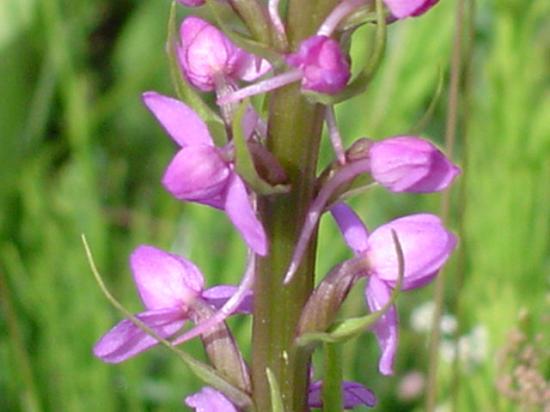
{"x": 294, "y": 134}
{"x": 332, "y": 379}
{"x": 255, "y": 18}
{"x": 450, "y": 137}
{"x": 295, "y": 127}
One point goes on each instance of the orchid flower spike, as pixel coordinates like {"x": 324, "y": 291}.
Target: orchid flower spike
{"x": 203, "y": 173}
{"x": 410, "y": 164}
{"x": 319, "y": 64}
{"x": 211, "y": 61}
{"x": 401, "y": 9}
{"x": 169, "y": 287}
{"x": 426, "y": 246}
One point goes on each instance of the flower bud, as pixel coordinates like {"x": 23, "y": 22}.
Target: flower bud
{"x": 410, "y": 164}
{"x": 409, "y": 8}
{"x": 426, "y": 246}
{"x": 325, "y": 68}
{"x": 206, "y": 53}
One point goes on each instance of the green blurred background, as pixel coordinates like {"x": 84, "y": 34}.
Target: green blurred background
{"x": 79, "y": 154}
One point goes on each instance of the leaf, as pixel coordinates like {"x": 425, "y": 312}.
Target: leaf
{"x": 425, "y": 119}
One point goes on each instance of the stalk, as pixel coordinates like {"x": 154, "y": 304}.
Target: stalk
{"x": 293, "y": 137}
{"x": 450, "y": 138}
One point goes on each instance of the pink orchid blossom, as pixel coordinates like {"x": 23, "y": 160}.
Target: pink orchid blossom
{"x": 426, "y": 246}
{"x": 169, "y": 287}
{"x": 203, "y": 173}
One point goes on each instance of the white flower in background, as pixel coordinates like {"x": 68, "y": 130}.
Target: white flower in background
{"x": 422, "y": 318}
{"x": 448, "y": 324}
{"x": 473, "y": 347}
{"x": 447, "y": 350}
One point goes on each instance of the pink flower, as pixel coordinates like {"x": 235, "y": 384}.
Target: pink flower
{"x": 410, "y": 164}
{"x": 169, "y": 286}
{"x": 426, "y": 246}
{"x": 203, "y": 173}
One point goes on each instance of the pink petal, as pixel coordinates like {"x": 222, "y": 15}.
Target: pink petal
{"x": 407, "y": 8}
{"x": 354, "y": 231}
{"x": 196, "y": 173}
{"x": 126, "y": 339}
{"x": 229, "y": 306}
{"x": 426, "y": 247}
{"x": 353, "y": 393}
{"x": 210, "y": 400}
{"x": 377, "y": 294}
{"x": 239, "y": 210}
{"x": 356, "y": 394}
{"x": 180, "y": 122}
{"x": 217, "y": 296}
{"x": 164, "y": 280}
{"x": 251, "y": 67}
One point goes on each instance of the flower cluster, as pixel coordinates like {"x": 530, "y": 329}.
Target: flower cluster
{"x": 234, "y": 172}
